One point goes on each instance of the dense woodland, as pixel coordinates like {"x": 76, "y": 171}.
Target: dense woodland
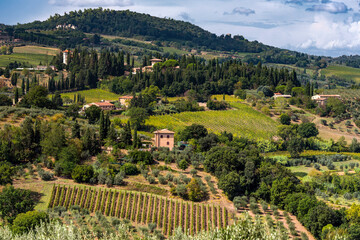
{"x": 131, "y": 24}
{"x": 205, "y": 78}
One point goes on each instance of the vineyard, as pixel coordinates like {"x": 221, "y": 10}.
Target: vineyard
{"x": 344, "y": 93}
{"x": 344, "y": 72}
{"x": 244, "y": 121}
{"x": 142, "y": 208}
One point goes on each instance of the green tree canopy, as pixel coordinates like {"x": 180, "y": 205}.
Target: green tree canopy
{"x": 14, "y": 201}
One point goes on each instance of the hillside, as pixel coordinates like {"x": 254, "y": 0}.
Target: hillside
{"x": 241, "y": 121}
{"x": 132, "y": 24}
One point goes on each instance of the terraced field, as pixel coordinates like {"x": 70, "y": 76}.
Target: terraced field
{"x": 32, "y": 55}
{"x": 348, "y": 73}
{"x": 242, "y": 121}
{"x": 142, "y": 208}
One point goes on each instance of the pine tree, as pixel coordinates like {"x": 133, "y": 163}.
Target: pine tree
{"x": 75, "y": 130}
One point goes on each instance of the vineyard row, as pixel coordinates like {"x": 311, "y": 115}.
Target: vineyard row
{"x": 142, "y": 208}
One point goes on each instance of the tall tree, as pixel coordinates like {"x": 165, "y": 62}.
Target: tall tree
{"x": 75, "y": 130}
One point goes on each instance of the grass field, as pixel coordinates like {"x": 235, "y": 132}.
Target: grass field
{"x": 31, "y": 55}
{"x": 348, "y": 73}
{"x": 37, "y": 50}
{"x": 244, "y": 121}
{"x": 93, "y": 95}
{"x": 344, "y": 93}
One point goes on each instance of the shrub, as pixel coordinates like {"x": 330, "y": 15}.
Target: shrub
{"x": 130, "y": 169}
{"x": 183, "y": 165}
{"x": 29, "y": 220}
{"x": 193, "y": 172}
{"x": 82, "y": 173}
{"x": 141, "y": 156}
{"x": 155, "y": 172}
{"x": 162, "y": 180}
{"x": 285, "y": 119}
{"x": 119, "y": 178}
{"x": 109, "y": 181}
{"x": 169, "y": 177}
{"x": 151, "y": 179}
{"x": 181, "y": 190}
{"x": 195, "y": 192}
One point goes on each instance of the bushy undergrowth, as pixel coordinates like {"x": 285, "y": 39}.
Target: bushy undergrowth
{"x": 243, "y": 229}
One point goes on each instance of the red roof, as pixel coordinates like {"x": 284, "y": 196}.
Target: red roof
{"x": 155, "y": 60}
{"x": 67, "y": 51}
{"x": 277, "y": 93}
{"x": 104, "y": 104}
{"x": 126, "y": 97}
{"x": 164, "y": 131}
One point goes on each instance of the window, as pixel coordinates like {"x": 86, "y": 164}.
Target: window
{"x": 168, "y": 143}
{"x": 168, "y": 136}
{"x": 161, "y": 136}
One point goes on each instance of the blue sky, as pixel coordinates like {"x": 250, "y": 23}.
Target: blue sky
{"x": 322, "y": 27}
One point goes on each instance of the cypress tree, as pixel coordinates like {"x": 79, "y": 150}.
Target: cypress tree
{"x": 135, "y": 139}
{"x": 126, "y": 135}
{"x": 307, "y": 89}
{"x": 16, "y": 95}
{"x": 37, "y": 136}
{"x": 23, "y": 87}
{"x": 112, "y": 134}
{"x": 75, "y": 130}
{"x": 102, "y": 126}
{"x": 27, "y": 85}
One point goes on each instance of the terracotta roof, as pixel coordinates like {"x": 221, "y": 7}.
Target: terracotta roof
{"x": 126, "y": 97}
{"x": 155, "y": 60}
{"x": 277, "y": 93}
{"x": 329, "y": 95}
{"x": 164, "y": 131}
{"x": 103, "y": 104}
{"x": 67, "y": 51}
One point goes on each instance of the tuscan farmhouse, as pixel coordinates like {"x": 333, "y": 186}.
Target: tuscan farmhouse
{"x": 164, "y": 138}
{"x": 322, "y": 99}
{"x": 125, "y": 100}
{"x": 280, "y": 95}
{"x": 103, "y": 105}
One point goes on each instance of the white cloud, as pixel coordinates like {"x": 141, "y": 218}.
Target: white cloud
{"x": 241, "y": 11}
{"x": 330, "y": 7}
{"x": 327, "y": 34}
{"x": 92, "y": 3}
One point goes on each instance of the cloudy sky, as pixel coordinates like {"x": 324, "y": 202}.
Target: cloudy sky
{"x": 322, "y": 27}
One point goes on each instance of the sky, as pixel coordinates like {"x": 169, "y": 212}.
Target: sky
{"x": 320, "y": 27}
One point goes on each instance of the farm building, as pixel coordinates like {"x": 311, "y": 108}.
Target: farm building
{"x": 164, "y": 138}
{"x": 154, "y": 61}
{"x": 280, "y": 95}
{"x": 322, "y": 99}
{"x": 125, "y": 100}
{"x": 102, "y": 105}
{"x": 147, "y": 68}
